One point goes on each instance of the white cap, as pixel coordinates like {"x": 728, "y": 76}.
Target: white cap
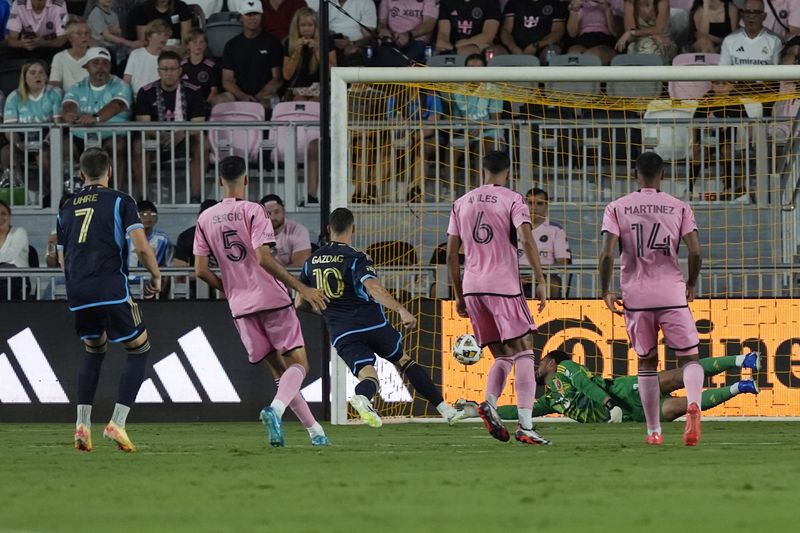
{"x": 95, "y": 52}
{"x": 248, "y": 6}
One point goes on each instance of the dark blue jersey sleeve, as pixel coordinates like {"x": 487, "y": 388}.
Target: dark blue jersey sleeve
{"x": 363, "y": 268}
{"x": 130, "y": 215}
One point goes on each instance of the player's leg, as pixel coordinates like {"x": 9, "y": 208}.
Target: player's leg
{"x": 680, "y": 333}
{"x": 130, "y": 382}
{"x": 423, "y": 384}
{"x": 675, "y": 407}
{"x": 299, "y": 406}
{"x": 89, "y": 326}
{"x": 366, "y": 389}
{"x": 643, "y": 333}
{"x": 672, "y": 380}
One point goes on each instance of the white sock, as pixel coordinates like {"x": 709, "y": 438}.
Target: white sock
{"x": 315, "y": 430}
{"x": 446, "y": 410}
{"x": 735, "y": 388}
{"x": 525, "y": 416}
{"x": 651, "y": 431}
{"x": 739, "y": 360}
{"x": 84, "y": 415}
{"x": 279, "y": 407}
{"x": 120, "y": 414}
{"x": 492, "y": 399}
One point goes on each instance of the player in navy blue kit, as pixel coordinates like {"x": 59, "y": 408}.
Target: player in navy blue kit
{"x": 356, "y": 322}
{"x": 93, "y": 252}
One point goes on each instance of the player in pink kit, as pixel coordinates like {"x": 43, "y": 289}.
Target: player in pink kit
{"x": 239, "y": 235}
{"x": 488, "y": 220}
{"x": 647, "y": 226}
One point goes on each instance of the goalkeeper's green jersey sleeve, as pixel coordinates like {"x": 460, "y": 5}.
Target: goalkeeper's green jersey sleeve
{"x": 576, "y": 393}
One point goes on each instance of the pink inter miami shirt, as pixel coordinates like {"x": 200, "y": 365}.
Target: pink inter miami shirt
{"x": 231, "y": 231}
{"x": 650, "y": 225}
{"x": 486, "y": 220}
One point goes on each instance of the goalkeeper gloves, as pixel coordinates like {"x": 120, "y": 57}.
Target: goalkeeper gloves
{"x": 615, "y": 415}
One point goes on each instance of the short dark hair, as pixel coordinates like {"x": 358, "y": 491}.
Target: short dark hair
{"x": 94, "y": 163}
{"x": 341, "y": 219}
{"x": 168, "y": 54}
{"x": 558, "y": 356}
{"x": 207, "y": 204}
{"x": 473, "y": 57}
{"x": 272, "y": 198}
{"x": 146, "y": 205}
{"x": 536, "y": 191}
{"x": 496, "y": 161}
{"x": 649, "y": 165}
{"x": 232, "y": 168}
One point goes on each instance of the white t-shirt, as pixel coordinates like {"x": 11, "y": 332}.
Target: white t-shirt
{"x": 67, "y": 70}
{"x": 15, "y": 248}
{"x": 142, "y": 67}
{"x": 739, "y": 49}
{"x": 361, "y": 10}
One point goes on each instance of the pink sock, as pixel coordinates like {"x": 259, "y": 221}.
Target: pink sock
{"x": 289, "y": 387}
{"x": 693, "y": 382}
{"x": 300, "y": 408}
{"x": 650, "y": 393}
{"x": 525, "y": 379}
{"x": 496, "y": 380}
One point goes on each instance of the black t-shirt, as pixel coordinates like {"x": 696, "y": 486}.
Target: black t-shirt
{"x": 533, "y": 20}
{"x": 304, "y": 78}
{"x": 252, "y": 60}
{"x": 185, "y": 245}
{"x": 147, "y": 12}
{"x": 467, "y": 16}
{"x": 147, "y": 102}
{"x": 206, "y": 75}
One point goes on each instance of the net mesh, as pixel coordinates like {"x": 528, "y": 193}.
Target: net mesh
{"x": 731, "y": 150}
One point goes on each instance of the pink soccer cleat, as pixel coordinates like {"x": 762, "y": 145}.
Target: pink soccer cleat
{"x": 691, "y": 434}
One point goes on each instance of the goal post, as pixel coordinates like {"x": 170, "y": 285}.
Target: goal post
{"x": 739, "y": 172}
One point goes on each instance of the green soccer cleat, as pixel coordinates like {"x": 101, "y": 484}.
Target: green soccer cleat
{"x": 365, "y": 410}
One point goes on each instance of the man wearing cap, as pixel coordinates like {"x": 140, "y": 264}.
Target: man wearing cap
{"x": 36, "y": 27}
{"x": 252, "y": 61}
{"x": 292, "y": 242}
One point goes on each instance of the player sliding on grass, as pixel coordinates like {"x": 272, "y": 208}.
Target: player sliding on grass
{"x": 488, "y": 221}
{"x": 356, "y": 322}
{"x": 239, "y": 235}
{"x": 573, "y": 391}
{"x": 93, "y": 254}
{"x": 647, "y": 227}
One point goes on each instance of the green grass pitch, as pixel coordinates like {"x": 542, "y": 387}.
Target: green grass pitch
{"x": 419, "y": 477}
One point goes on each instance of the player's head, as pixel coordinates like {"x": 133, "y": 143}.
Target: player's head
{"x": 275, "y": 209}
{"x": 233, "y": 172}
{"x": 148, "y": 212}
{"x": 95, "y": 166}
{"x": 537, "y": 200}
{"x": 496, "y": 167}
{"x": 549, "y": 364}
{"x": 341, "y": 224}
{"x": 649, "y": 169}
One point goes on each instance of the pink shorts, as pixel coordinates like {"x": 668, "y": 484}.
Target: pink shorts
{"x": 499, "y": 318}
{"x": 267, "y": 331}
{"x": 680, "y": 331}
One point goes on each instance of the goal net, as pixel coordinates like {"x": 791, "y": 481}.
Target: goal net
{"x": 407, "y": 142}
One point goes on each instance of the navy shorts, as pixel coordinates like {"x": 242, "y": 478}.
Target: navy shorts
{"x": 359, "y": 349}
{"x": 121, "y": 322}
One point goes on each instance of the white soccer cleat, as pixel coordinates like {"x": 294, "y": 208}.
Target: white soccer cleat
{"x": 469, "y": 409}
{"x": 365, "y": 410}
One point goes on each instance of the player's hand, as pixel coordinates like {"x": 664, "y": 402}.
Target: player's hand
{"x": 612, "y": 302}
{"x": 541, "y": 295}
{"x": 409, "y": 320}
{"x": 616, "y": 415}
{"x": 315, "y": 298}
{"x": 152, "y": 287}
{"x": 461, "y": 308}
{"x": 690, "y": 293}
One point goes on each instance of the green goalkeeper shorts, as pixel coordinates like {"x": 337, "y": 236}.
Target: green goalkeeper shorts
{"x": 625, "y": 391}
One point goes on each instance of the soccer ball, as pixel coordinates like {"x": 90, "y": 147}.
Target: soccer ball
{"x": 466, "y": 350}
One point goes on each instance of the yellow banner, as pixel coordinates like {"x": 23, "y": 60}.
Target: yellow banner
{"x": 597, "y": 338}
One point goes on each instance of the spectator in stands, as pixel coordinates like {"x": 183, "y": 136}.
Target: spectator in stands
{"x": 33, "y": 102}
{"x": 5, "y": 10}
{"x": 782, "y": 17}
{"x": 292, "y": 242}
{"x": 203, "y": 71}
{"x": 126, "y": 13}
{"x": 252, "y": 61}
{"x": 13, "y": 240}
{"x": 352, "y": 29}
{"x": 184, "y": 255}
{"x": 711, "y": 22}
{"x": 301, "y": 60}
{"x": 278, "y": 16}
{"x": 591, "y": 27}
{"x": 551, "y": 240}
{"x": 36, "y": 27}
{"x": 790, "y": 55}
{"x": 408, "y": 24}
{"x": 170, "y": 99}
{"x": 67, "y": 68}
{"x": 534, "y": 27}
{"x": 142, "y": 67}
{"x": 107, "y": 32}
{"x": 467, "y": 26}
{"x": 158, "y": 240}
{"x": 753, "y": 44}
{"x": 174, "y": 13}
{"x": 647, "y": 29}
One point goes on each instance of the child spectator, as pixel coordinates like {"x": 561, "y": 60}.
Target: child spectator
{"x": 142, "y": 67}
{"x": 107, "y": 32}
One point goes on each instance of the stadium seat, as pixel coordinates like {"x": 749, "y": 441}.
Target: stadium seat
{"x": 448, "y": 60}
{"x": 392, "y": 253}
{"x": 691, "y": 90}
{"x": 305, "y": 111}
{"x": 514, "y": 60}
{"x": 636, "y": 89}
{"x": 575, "y": 87}
{"x": 672, "y": 142}
{"x": 245, "y": 142}
{"x": 223, "y": 16}
{"x": 218, "y": 35}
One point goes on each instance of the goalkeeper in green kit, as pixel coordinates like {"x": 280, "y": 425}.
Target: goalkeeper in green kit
{"x": 573, "y": 391}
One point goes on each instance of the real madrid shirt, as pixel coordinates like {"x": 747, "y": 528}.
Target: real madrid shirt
{"x": 739, "y": 49}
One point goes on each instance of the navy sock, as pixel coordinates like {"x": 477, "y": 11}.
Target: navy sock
{"x": 133, "y": 375}
{"x": 422, "y": 383}
{"x": 367, "y": 387}
{"x": 89, "y": 376}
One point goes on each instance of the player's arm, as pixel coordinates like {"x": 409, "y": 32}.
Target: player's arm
{"x": 314, "y": 297}
{"x": 542, "y": 407}
{"x": 299, "y": 302}
{"x": 692, "y": 242}
{"x": 454, "y": 272}
{"x": 606, "y": 268}
{"x": 581, "y": 381}
{"x": 385, "y": 298}
{"x": 148, "y": 259}
{"x": 202, "y": 271}
{"x": 528, "y": 244}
